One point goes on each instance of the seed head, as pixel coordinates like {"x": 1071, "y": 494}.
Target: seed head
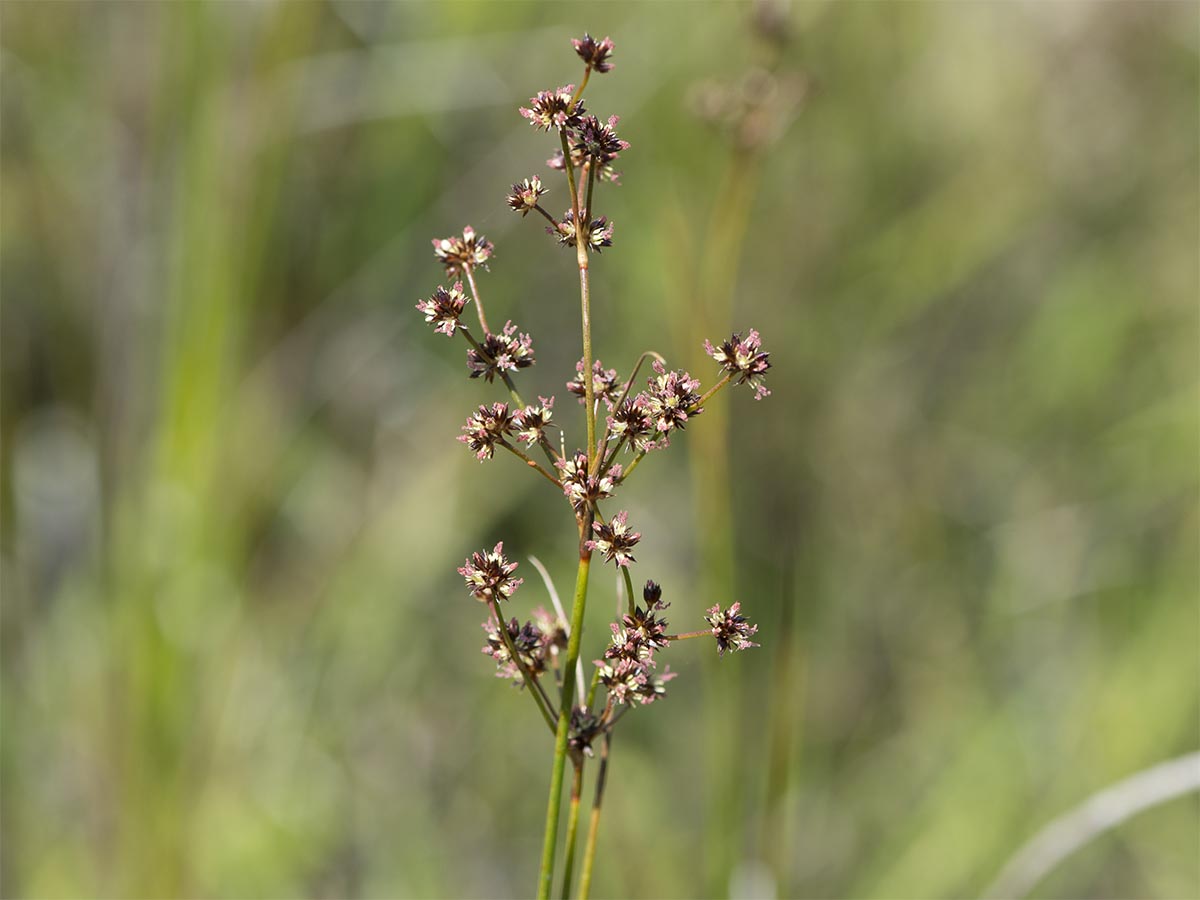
{"x": 528, "y": 641}
{"x": 461, "y": 255}
{"x": 615, "y": 540}
{"x": 631, "y": 419}
{"x": 743, "y": 359}
{"x": 731, "y": 629}
{"x": 501, "y": 353}
{"x": 489, "y": 575}
{"x": 599, "y": 232}
{"x": 593, "y": 52}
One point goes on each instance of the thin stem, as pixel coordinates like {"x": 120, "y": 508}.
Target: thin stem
{"x": 591, "y": 697}
{"x": 535, "y": 690}
{"x": 587, "y": 73}
{"x": 549, "y": 844}
{"x": 549, "y": 218}
{"x": 585, "y": 310}
{"x": 589, "y": 852}
{"x": 633, "y": 465}
{"x": 572, "y": 827}
{"x": 621, "y": 399}
{"x": 628, "y": 588}
{"x": 687, "y": 635}
{"x": 532, "y": 463}
{"x": 587, "y": 207}
{"x": 478, "y": 302}
{"x": 712, "y": 391}
{"x": 504, "y": 376}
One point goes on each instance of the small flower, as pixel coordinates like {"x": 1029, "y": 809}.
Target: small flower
{"x": 624, "y": 678}
{"x": 552, "y": 109}
{"x": 489, "y": 575}
{"x": 593, "y": 52}
{"x": 501, "y": 353}
{"x": 582, "y": 488}
{"x": 653, "y": 686}
{"x": 599, "y": 232}
{"x": 730, "y": 628}
{"x": 604, "y": 172}
{"x": 598, "y": 139}
{"x": 584, "y": 729}
{"x": 444, "y": 308}
{"x": 485, "y": 427}
{"x": 672, "y": 398}
{"x": 641, "y": 633}
{"x": 615, "y": 540}
{"x": 604, "y": 383}
{"x": 527, "y": 640}
{"x": 461, "y": 255}
{"x": 743, "y": 358}
{"x": 524, "y": 195}
{"x": 631, "y": 420}
{"x": 530, "y": 422}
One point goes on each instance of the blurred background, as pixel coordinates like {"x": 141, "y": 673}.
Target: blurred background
{"x": 237, "y": 658}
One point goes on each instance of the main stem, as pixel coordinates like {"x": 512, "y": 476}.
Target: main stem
{"x": 546, "y": 875}
{"x": 572, "y": 827}
{"x": 589, "y": 852}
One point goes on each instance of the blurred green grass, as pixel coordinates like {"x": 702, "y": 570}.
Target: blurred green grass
{"x": 237, "y": 660}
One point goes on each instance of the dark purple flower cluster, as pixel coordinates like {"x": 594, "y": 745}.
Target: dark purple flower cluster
{"x": 630, "y": 419}
{"x": 584, "y": 728}
{"x": 599, "y": 139}
{"x": 486, "y": 427}
{"x": 537, "y": 643}
{"x": 580, "y": 486}
{"x": 593, "y": 52}
{"x": 628, "y": 668}
{"x": 743, "y": 359}
{"x": 504, "y": 352}
{"x": 731, "y": 629}
{"x": 489, "y": 575}
{"x": 604, "y": 172}
{"x": 605, "y": 383}
{"x": 615, "y": 539}
{"x": 444, "y": 308}
{"x": 461, "y": 255}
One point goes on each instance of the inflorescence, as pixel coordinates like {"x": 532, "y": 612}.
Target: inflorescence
{"x": 637, "y": 421}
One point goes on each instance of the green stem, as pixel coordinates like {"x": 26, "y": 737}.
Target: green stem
{"x": 589, "y": 852}
{"x": 549, "y": 844}
{"x": 535, "y": 690}
{"x": 572, "y": 827}
{"x": 628, "y": 588}
{"x": 712, "y": 391}
{"x": 587, "y": 73}
{"x": 687, "y": 635}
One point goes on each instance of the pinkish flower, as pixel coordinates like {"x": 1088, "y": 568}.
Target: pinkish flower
{"x": 731, "y": 629}
{"x": 489, "y": 575}
{"x": 444, "y": 308}
{"x": 461, "y": 255}
{"x": 615, "y": 540}
{"x": 744, "y": 359}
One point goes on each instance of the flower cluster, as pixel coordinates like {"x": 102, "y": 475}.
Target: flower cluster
{"x": 631, "y": 420}
{"x": 593, "y": 52}
{"x": 599, "y": 139}
{"x": 499, "y": 353}
{"x": 462, "y": 255}
{"x": 489, "y": 575}
{"x": 552, "y": 109}
{"x": 743, "y": 359}
{"x": 672, "y": 398}
{"x": 580, "y": 486}
{"x": 605, "y": 383}
{"x": 530, "y": 423}
{"x": 599, "y": 232}
{"x": 731, "y": 629}
{"x": 486, "y": 427}
{"x": 615, "y": 540}
{"x": 628, "y": 668}
{"x": 443, "y": 308}
{"x": 524, "y": 195}
{"x": 537, "y": 644}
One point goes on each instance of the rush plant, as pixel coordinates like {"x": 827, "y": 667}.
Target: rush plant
{"x": 542, "y": 655}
